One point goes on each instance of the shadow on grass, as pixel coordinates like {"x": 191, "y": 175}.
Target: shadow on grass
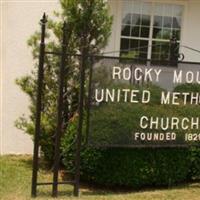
{"x": 28, "y": 163}
{"x": 47, "y": 194}
{"x": 68, "y": 192}
{"x": 91, "y": 190}
{"x": 95, "y": 189}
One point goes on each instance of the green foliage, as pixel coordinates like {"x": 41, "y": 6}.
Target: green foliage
{"x": 187, "y": 87}
{"x": 135, "y": 167}
{"x": 194, "y": 111}
{"x": 90, "y": 20}
{"x": 194, "y": 171}
{"x": 88, "y": 26}
{"x": 131, "y": 167}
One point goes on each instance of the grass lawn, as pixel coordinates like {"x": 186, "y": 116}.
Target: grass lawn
{"x": 15, "y": 184}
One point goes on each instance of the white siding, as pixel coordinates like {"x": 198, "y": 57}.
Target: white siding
{"x": 19, "y": 20}
{"x": 191, "y": 31}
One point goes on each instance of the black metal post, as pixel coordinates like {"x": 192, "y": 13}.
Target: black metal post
{"x": 89, "y": 98}
{"x": 80, "y": 122}
{"x": 38, "y": 107}
{"x": 173, "y": 50}
{"x": 59, "y": 114}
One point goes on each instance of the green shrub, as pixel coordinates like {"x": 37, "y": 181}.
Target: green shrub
{"x": 194, "y": 171}
{"x": 135, "y": 167}
{"x": 187, "y": 87}
{"x": 131, "y": 167}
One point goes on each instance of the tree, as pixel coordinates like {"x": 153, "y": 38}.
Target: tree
{"x": 89, "y": 26}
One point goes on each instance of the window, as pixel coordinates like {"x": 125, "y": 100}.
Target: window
{"x": 147, "y": 29}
